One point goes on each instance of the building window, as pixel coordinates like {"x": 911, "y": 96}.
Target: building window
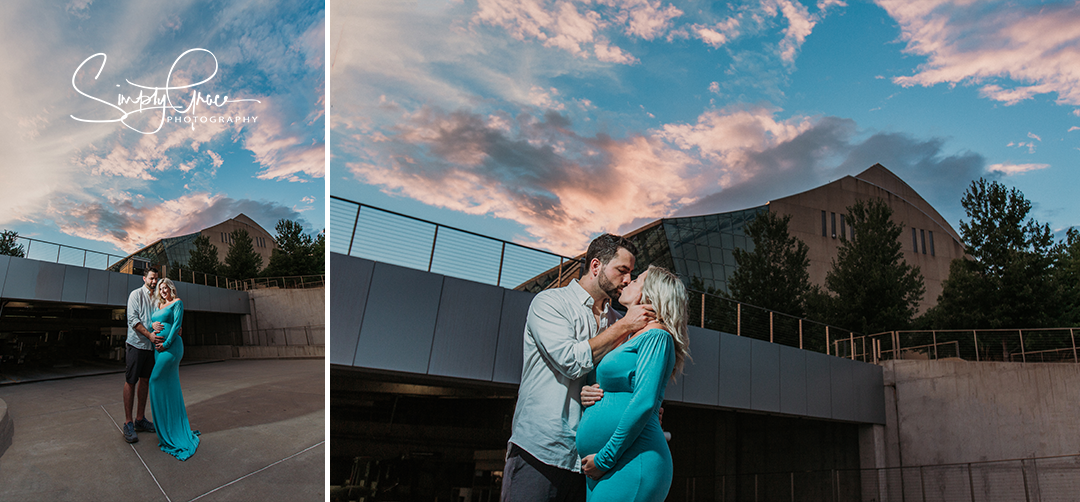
{"x": 922, "y": 234}
{"x": 914, "y": 240}
{"x": 824, "y": 225}
{"x": 931, "y": 232}
{"x": 833, "y": 225}
{"x": 843, "y": 228}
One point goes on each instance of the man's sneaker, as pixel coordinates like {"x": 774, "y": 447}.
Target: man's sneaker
{"x": 129, "y": 433}
{"x": 144, "y": 425}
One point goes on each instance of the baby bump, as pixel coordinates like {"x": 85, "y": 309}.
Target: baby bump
{"x": 599, "y": 421}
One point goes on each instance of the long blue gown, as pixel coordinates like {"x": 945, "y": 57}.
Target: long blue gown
{"x": 623, "y": 428}
{"x": 174, "y": 433}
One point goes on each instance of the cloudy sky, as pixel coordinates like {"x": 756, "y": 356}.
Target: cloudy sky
{"x": 548, "y": 122}
{"x": 83, "y": 166}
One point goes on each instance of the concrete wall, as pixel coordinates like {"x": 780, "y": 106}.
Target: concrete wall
{"x": 285, "y": 308}
{"x": 952, "y": 411}
{"x": 286, "y": 317}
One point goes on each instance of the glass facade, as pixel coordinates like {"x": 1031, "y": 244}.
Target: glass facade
{"x": 164, "y": 252}
{"x": 697, "y": 248}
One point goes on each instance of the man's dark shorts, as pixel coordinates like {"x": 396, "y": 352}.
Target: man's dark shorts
{"x": 140, "y": 364}
{"x": 526, "y": 479}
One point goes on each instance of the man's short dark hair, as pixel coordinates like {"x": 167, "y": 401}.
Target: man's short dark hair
{"x": 152, "y": 269}
{"x": 605, "y": 247}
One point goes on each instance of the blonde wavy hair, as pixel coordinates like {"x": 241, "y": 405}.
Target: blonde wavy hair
{"x": 667, "y": 294}
{"x": 165, "y": 283}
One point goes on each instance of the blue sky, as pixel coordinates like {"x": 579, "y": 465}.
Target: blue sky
{"x": 114, "y": 186}
{"x": 549, "y": 122}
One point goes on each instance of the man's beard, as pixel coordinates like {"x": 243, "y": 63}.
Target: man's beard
{"x": 613, "y": 291}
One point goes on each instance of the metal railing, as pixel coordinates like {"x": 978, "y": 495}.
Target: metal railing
{"x": 70, "y": 255}
{"x": 729, "y": 316}
{"x": 397, "y": 239}
{"x": 36, "y": 249}
{"x": 289, "y": 282}
{"x": 1028, "y": 479}
{"x": 1003, "y": 345}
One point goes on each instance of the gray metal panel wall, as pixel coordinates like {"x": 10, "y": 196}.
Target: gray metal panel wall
{"x": 734, "y": 371}
{"x": 792, "y": 381}
{"x": 118, "y": 288}
{"x": 50, "y": 282}
{"x": 203, "y": 295}
{"x": 5, "y": 260}
{"x": 818, "y": 385}
{"x": 509, "y": 354}
{"x": 183, "y": 291}
{"x": 399, "y": 320}
{"x": 219, "y": 300}
{"x": 764, "y": 376}
{"x": 843, "y": 388}
{"x": 675, "y": 390}
{"x": 702, "y": 378}
{"x": 97, "y": 286}
{"x": 870, "y": 390}
{"x": 75, "y": 281}
{"x": 21, "y": 280}
{"x": 467, "y": 330}
{"x": 133, "y": 282}
{"x": 348, "y": 298}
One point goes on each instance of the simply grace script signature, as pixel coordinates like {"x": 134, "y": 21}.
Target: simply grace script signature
{"x": 158, "y": 99}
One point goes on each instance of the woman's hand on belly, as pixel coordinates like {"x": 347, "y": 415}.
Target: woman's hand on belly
{"x": 590, "y": 469}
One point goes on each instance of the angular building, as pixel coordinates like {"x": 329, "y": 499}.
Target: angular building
{"x": 164, "y": 252}
{"x": 702, "y": 247}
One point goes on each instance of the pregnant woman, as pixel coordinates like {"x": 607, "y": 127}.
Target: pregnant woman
{"x": 624, "y": 451}
{"x": 174, "y": 433}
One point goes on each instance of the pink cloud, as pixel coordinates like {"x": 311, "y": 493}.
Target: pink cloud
{"x": 563, "y": 187}
{"x": 1037, "y": 48}
{"x": 120, "y": 219}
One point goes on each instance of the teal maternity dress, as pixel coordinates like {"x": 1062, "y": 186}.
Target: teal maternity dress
{"x": 623, "y": 428}
{"x": 174, "y": 433}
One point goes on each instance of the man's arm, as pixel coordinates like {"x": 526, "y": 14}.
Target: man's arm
{"x": 140, "y": 329}
{"x": 556, "y": 337}
{"x": 636, "y": 318}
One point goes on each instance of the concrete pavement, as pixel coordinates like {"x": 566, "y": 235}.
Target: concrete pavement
{"x": 262, "y": 438}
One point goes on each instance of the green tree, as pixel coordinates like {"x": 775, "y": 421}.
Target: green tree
{"x": 872, "y": 288}
{"x": 297, "y": 253}
{"x": 174, "y": 271}
{"x": 319, "y": 250}
{"x": 774, "y": 275}
{"x": 1008, "y": 280}
{"x": 1067, "y": 277}
{"x": 242, "y": 262}
{"x": 9, "y": 246}
{"x": 204, "y": 257}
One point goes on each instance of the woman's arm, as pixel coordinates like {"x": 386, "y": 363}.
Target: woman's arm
{"x": 174, "y": 326}
{"x": 656, "y": 359}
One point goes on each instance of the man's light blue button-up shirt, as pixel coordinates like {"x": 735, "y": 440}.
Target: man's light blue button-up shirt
{"x": 557, "y": 357}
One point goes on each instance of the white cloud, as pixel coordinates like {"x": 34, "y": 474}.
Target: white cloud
{"x": 1011, "y": 169}
{"x": 575, "y": 27}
